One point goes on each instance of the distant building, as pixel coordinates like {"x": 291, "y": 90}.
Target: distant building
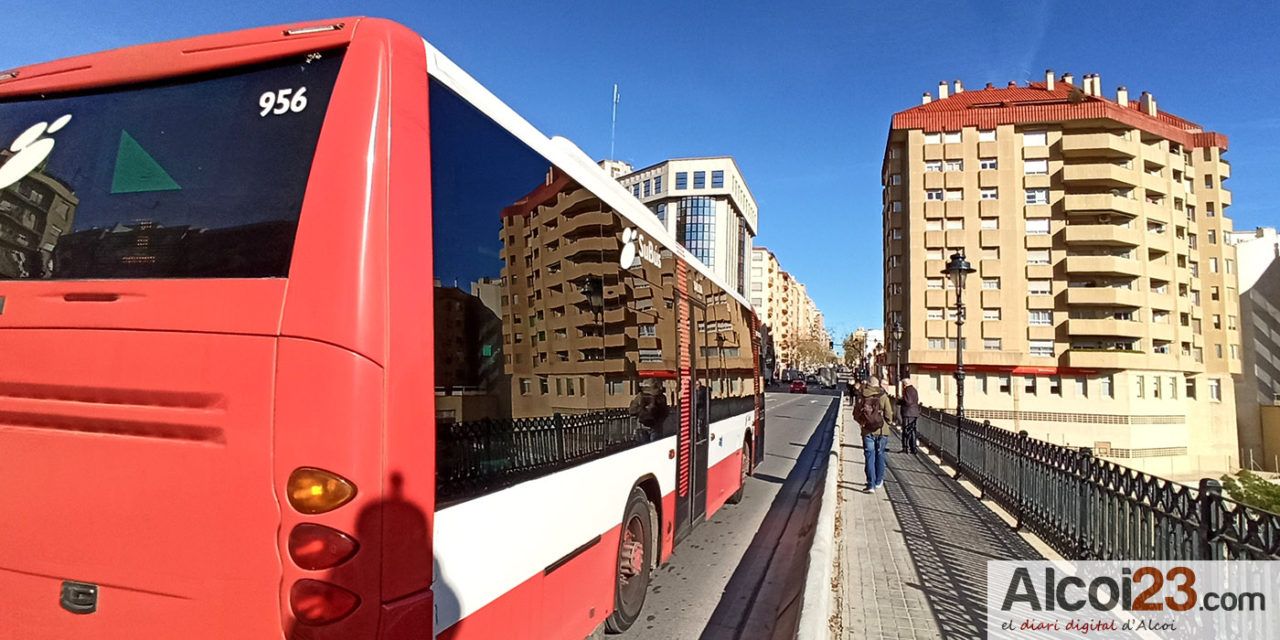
{"x": 784, "y": 305}
{"x": 1258, "y": 388}
{"x": 705, "y": 204}
{"x": 1103, "y": 312}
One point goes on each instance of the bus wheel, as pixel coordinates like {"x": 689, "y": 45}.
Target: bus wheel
{"x": 742, "y": 474}
{"x": 635, "y": 559}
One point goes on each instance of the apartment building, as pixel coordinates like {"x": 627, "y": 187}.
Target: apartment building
{"x": 1258, "y": 387}
{"x": 1104, "y": 309}
{"x": 784, "y": 305}
{"x": 705, "y": 204}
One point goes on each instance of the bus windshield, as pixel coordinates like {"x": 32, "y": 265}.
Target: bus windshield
{"x": 202, "y": 177}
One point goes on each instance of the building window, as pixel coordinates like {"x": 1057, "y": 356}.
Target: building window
{"x": 933, "y": 283}
{"x": 1213, "y": 265}
{"x": 635, "y": 189}
{"x": 933, "y": 225}
{"x": 954, "y": 224}
{"x": 1208, "y": 182}
{"x": 657, "y": 184}
{"x": 1191, "y": 389}
{"x": 1035, "y": 138}
{"x": 932, "y": 166}
{"x": 1038, "y": 227}
{"x": 1041, "y": 348}
{"x": 986, "y": 135}
{"x": 987, "y": 163}
{"x": 682, "y": 180}
{"x": 1040, "y": 317}
{"x": 991, "y": 283}
{"x": 989, "y": 223}
{"x": 1142, "y": 386}
{"x": 1039, "y": 287}
{"x": 1029, "y": 387}
{"x": 1231, "y": 322}
{"x": 696, "y": 227}
{"x": 933, "y": 194}
{"x": 991, "y": 344}
{"x": 897, "y": 233}
{"x": 1037, "y": 196}
{"x": 1035, "y": 167}
{"x": 648, "y": 330}
{"x": 1082, "y": 388}
{"x": 990, "y": 314}
{"x": 1173, "y": 388}
{"x": 955, "y": 194}
{"x": 1038, "y": 256}
{"x": 699, "y": 179}
{"x": 955, "y": 165}
{"x": 1217, "y": 321}
{"x": 897, "y": 206}
{"x": 1235, "y": 352}
{"x": 895, "y": 179}
{"x": 661, "y": 211}
{"x": 647, "y": 186}
{"x": 987, "y": 193}
{"x": 1231, "y": 265}
{"x": 717, "y": 179}
{"x": 1108, "y": 386}
{"x": 933, "y": 254}
{"x": 933, "y": 314}
{"x": 1055, "y": 386}
{"x": 935, "y": 343}
{"x": 1215, "y": 389}
{"x": 932, "y": 138}
{"x": 1005, "y": 386}
{"x": 951, "y": 137}
{"x": 1213, "y": 237}
{"x": 1213, "y": 293}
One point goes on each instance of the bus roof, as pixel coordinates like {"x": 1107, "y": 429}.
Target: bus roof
{"x": 568, "y": 157}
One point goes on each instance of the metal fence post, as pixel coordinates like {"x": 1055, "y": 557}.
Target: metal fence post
{"x": 1083, "y": 529}
{"x": 558, "y": 422}
{"x": 986, "y": 438}
{"x": 958, "y": 429}
{"x": 1022, "y": 472}
{"x": 1209, "y": 498}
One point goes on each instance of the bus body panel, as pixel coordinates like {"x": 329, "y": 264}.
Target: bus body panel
{"x": 492, "y": 553}
{"x": 139, "y": 461}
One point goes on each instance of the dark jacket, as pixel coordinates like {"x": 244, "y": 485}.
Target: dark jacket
{"x": 872, "y": 393}
{"x": 910, "y": 402}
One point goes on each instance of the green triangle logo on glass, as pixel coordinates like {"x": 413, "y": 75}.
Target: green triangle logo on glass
{"x": 136, "y": 171}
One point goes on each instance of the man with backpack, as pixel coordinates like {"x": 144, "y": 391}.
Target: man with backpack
{"x": 872, "y": 412}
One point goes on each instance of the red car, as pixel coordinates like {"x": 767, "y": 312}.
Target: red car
{"x": 799, "y": 386}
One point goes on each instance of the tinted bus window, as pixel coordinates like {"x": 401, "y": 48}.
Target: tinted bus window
{"x": 198, "y": 178}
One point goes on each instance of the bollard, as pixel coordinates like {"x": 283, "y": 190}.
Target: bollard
{"x": 1209, "y": 498}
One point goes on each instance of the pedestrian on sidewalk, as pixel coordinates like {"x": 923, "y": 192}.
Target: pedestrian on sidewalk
{"x": 872, "y": 413}
{"x": 908, "y": 413}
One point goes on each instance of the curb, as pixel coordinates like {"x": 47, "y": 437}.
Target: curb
{"x": 815, "y": 610}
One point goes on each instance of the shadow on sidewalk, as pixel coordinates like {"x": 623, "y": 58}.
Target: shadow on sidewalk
{"x": 950, "y": 536}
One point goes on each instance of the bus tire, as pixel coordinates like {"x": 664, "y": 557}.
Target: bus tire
{"x": 633, "y": 570}
{"x": 742, "y": 473}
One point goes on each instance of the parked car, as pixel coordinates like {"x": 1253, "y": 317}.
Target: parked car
{"x": 799, "y": 386}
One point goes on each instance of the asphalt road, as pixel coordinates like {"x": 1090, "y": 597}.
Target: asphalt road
{"x": 715, "y": 572}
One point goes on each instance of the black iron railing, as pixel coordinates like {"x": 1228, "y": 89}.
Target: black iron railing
{"x": 478, "y": 457}
{"x": 1092, "y": 509}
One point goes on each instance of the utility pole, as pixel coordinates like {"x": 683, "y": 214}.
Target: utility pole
{"x": 613, "y": 126}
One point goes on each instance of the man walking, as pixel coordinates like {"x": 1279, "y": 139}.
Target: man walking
{"x": 872, "y": 413}
{"x": 908, "y": 413}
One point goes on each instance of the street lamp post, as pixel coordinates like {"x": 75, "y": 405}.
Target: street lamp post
{"x": 897, "y": 359}
{"x": 957, "y": 269}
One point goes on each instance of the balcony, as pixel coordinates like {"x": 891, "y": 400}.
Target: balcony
{"x": 1100, "y": 203}
{"x": 1092, "y": 145}
{"x": 1108, "y": 265}
{"x": 1103, "y": 296}
{"x": 1105, "y": 327}
{"x": 1102, "y": 234}
{"x": 1155, "y": 183}
{"x": 1104, "y": 359}
{"x": 1224, "y": 169}
{"x": 1099, "y": 174}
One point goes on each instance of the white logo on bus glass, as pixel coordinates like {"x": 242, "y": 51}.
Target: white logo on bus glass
{"x": 633, "y": 245}
{"x": 30, "y": 149}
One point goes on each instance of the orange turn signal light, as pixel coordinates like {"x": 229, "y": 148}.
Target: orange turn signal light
{"x": 313, "y": 491}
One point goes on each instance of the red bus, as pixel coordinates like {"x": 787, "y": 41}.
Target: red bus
{"x": 304, "y": 333}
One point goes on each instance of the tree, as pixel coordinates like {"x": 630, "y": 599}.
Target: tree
{"x": 813, "y": 352}
{"x": 1251, "y": 489}
{"x": 855, "y": 345}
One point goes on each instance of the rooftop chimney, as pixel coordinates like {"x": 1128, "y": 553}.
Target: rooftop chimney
{"x": 926, "y": 98}
{"x": 1148, "y": 103}
{"x": 1097, "y": 84}
{"x": 1013, "y": 85}
{"x": 1122, "y": 96}
{"x": 1048, "y": 79}
{"x": 959, "y": 88}
{"x": 942, "y": 90}
{"x": 990, "y": 86}
{"x": 1067, "y": 78}
{"x": 1086, "y": 84}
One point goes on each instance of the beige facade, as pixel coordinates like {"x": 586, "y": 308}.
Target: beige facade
{"x": 1102, "y": 312}
{"x": 784, "y": 305}
{"x": 1258, "y": 388}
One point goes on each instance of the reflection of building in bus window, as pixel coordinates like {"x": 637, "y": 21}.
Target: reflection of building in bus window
{"x": 34, "y": 213}
{"x": 470, "y": 384}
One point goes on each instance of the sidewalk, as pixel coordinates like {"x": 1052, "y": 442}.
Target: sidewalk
{"x": 933, "y": 587}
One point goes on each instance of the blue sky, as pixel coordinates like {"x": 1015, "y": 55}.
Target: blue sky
{"x": 799, "y": 92}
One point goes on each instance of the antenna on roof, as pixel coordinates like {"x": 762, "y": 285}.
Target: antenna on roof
{"x": 613, "y": 126}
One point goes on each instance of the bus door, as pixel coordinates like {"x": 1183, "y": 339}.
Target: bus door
{"x": 701, "y": 414}
{"x": 691, "y": 444}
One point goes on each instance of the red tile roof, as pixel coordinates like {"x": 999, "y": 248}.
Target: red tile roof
{"x": 987, "y": 108}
